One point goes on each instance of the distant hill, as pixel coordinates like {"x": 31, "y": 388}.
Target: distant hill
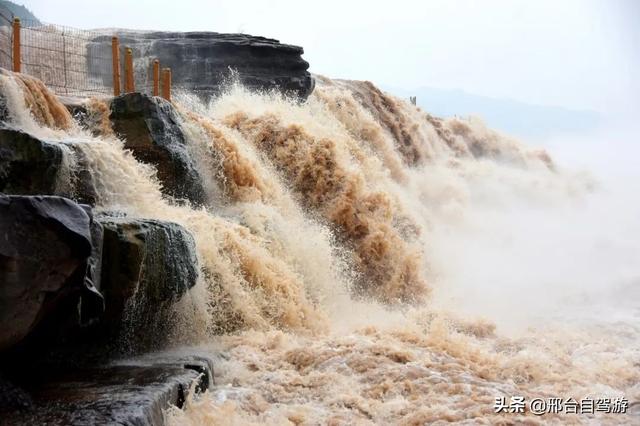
{"x": 17, "y": 10}
{"x": 512, "y": 117}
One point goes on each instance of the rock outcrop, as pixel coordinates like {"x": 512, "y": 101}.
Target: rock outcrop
{"x": 201, "y": 61}
{"x": 148, "y": 266}
{"x": 74, "y": 293}
{"x": 45, "y": 248}
{"x": 128, "y": 393}
{"x": 31, "y": 166}
{"x": 149, "y": 126}
{"x": 78, "y": 293}
{"x": 116, "y": 276}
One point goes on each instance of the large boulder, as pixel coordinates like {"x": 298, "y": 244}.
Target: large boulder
{"x": 28, "y": 165}
{"x": 31, "y": 166}
{"x": 68, "y": 280}
{"x": 200, "y": 61}
{"x": 151, "y": 130}
{"x": 46, "y": 249}
{"x": 147, "y": 266}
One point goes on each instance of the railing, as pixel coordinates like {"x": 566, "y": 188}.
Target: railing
{"x": 6, "y": 36}
{"x": 74, "y": 62}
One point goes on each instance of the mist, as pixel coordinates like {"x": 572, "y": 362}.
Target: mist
{"x": 536, "y": 253}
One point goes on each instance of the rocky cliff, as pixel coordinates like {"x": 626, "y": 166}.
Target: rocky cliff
{"x": 203, "y": 61}
{"x": 81, "y": 288}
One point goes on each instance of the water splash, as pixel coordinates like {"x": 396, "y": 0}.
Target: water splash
{"x": 326, "y": 218}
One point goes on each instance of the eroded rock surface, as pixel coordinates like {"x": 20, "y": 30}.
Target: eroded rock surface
{"x": 149, "y": 127}
{"x": 201, "y": 61}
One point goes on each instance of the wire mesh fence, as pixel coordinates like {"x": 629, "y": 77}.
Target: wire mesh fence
{"x": 70, "y": 61}
{"x": 5, "y": 39}
{"x": 66, "y": 59}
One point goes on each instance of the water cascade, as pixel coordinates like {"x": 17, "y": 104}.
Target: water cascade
{"x": 331, "y": 252}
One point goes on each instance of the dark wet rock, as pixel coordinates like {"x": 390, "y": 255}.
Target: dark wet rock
{"x": 13, "y": 398}
{"x": 201, "y": 61}
{"x": 46, "y": 244}
{"x": 30, "y": 166}
{"x": 147, "y": 266}
{"x": 56, "y": 360}
{"x": 134, "y": 392}
{"x": 107, "y": 286}
{"x": 4, "y": 111}
{"x": 150, "y": 129}
{"x": 77, "y": 107}
{"x": 83, "y": 187}
{"x": 88, "y": 114}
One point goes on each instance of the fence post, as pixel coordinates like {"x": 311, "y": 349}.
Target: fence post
{"x": 16, "y": 45}
{"x": 166, "y": 84}
{"x": 115, "y": 54}
{"x": 129, "y": 85}
{"x": 156, "y": 77}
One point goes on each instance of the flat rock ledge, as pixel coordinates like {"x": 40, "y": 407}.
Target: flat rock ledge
{"x": 133, "y": 392}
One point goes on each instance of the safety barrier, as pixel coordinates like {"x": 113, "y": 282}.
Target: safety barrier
{"x": 74, "y": 62}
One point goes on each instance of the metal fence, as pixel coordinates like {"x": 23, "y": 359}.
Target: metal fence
{"x": 5, "y": 40}
{"x": 59, "y": 56}
{"x": 70, "y": 61}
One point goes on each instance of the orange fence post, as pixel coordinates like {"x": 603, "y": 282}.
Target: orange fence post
{"x": 115, "y": 53}
{"x": 129, "y": 85}
{"x": 166, "y": 84}
{"x": 156, "y": 77}
{"x": 16, "y": 45}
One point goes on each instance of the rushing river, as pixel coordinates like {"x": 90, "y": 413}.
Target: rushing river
{"x": 364, "y": 262}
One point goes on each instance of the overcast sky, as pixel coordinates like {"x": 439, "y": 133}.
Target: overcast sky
{"x": 573, "y": 53}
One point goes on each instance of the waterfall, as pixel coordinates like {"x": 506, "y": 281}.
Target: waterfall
{"x": 338, "y": 250}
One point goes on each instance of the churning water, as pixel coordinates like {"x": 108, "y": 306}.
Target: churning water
{"x": 364, "y": 262}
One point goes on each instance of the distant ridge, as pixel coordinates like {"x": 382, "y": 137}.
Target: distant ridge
{"x": 19, "y": 11}
{"x": 507, "y": 115}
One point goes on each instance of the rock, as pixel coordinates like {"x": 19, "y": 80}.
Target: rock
{"x": 78, "y": 109}
{"x": 147, "y": 266}
{"x": 128, "y": 393}
{"x": 46, "y": 244}
{"x": 150, "y": 129}
{"x": 30, "y": 166}
{"x": 200, "y": 61}
{"x": 12, "y": 397}
{"x": 4, "y": 111}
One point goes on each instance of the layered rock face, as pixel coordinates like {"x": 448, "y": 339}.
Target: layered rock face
{"x": 80, "y": 289}
{"x": 201, "y": 61}
{"x": 146, "y": 266}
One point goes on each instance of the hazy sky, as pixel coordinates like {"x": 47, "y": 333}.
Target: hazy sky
{"x": 573, "y": 53}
